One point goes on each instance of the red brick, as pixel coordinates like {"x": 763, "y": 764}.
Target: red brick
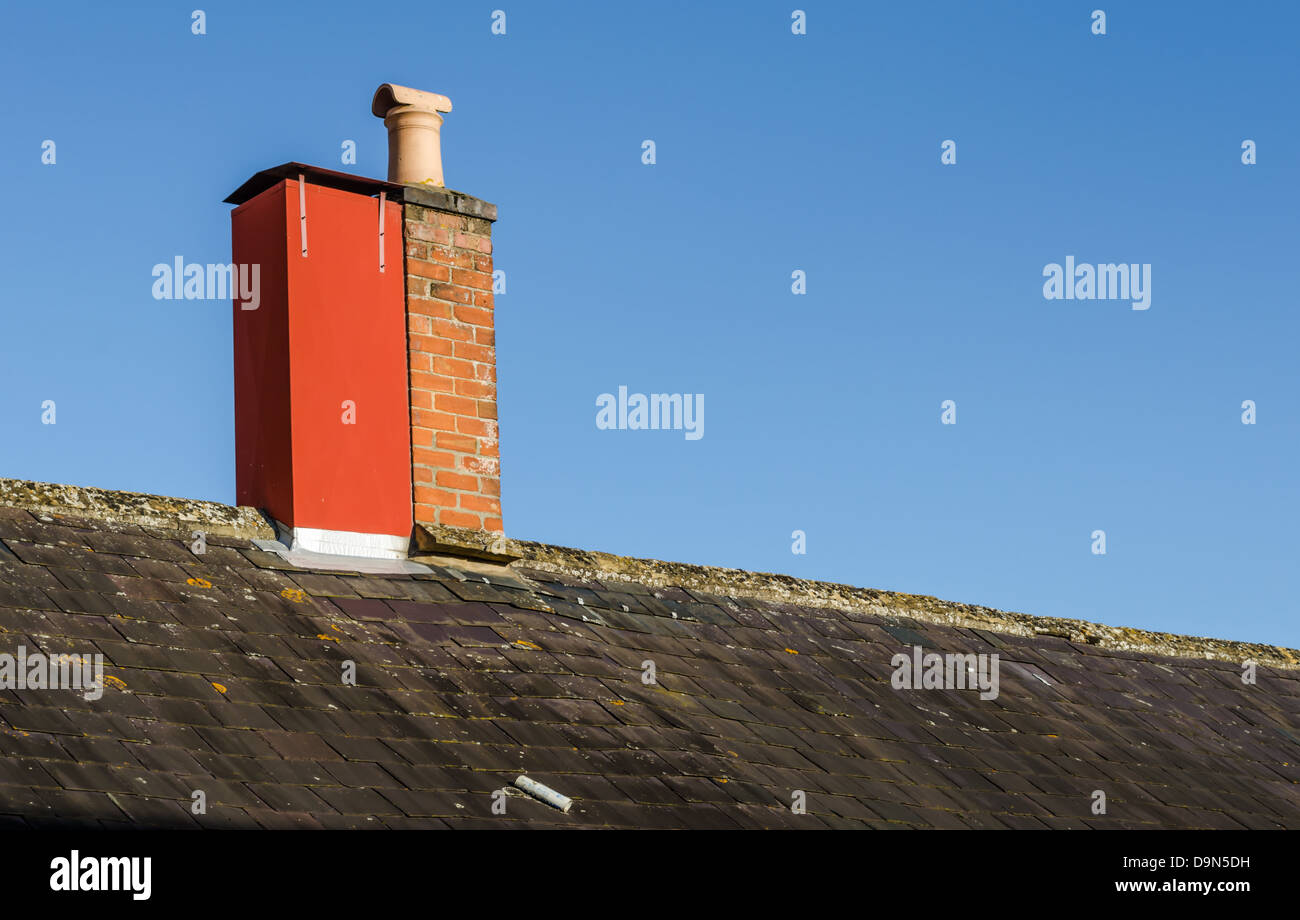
{"x": 423, "y": 269}
{"x": 474, "y": 241}
{"x": 460, "y": 519}
{"x": 453, "y": 367}
{"x": 460, "y": 405}
{"x": 439, "y": 459}
{"x": 433, "y": 382}
{"x": 421, "y": 399}
{"x": 439, "y": 421}
{"x": 426, "y": 306}
{"x": 475, "y": 388}
{"x": 451, "y": 330}
{"x": 432, "y": 344}
{"x": 449, "y": 292}
{"x": 432, "y": 218}
{"x": 479, "y": 503}
{"x": 449, "y": 480}
{"x": 460, "y": 442}
{"x": 489, "y": 466}
{"x": 483, "y": 354}
{"x": 420, "y": 231}
{"x": 474, "y": 315}
{"x": 482, "y": 428}
{"x": 479, "y": 281}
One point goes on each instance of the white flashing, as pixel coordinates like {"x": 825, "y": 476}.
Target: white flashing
{"x": 348, "y": 543}
{"x": 340, "y": 550}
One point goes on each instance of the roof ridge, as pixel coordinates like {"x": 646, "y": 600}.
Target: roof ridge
{"x": 140, "y": 508}
{"x": 742, "y": 583}
{"x": 219, "y": 519}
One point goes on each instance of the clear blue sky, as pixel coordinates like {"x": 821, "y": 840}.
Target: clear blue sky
{"x": 775, "y": 152}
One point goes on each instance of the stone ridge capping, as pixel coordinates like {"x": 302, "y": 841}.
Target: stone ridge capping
{"x": 445, "y": 199}
{"x": 178, "y": 514}
{"x": 185, "y": 515}
{"x": 740, "y": 583}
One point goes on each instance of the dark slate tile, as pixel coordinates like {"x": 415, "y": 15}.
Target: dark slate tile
{"x": 281, "y": 797}
{"x": 24, "y": 596}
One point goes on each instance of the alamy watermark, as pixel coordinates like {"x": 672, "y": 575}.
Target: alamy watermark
{"x": 1108, "y": 281}
{"x": 197, "y": 281}
{"x": 946, "y": 672}
{"x": 53, "y": 672}
{"x": 75, "y": 872}
{"x": 658, "y": 411}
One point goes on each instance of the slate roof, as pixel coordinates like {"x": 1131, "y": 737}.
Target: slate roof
{"x": 226, "y": 678}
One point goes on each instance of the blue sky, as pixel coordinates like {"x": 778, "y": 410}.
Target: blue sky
{"x": 775, "y": 152}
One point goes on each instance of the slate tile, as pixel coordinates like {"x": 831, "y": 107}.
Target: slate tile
{"x": 298, "y": 746}
{"x": 23, "y": 771}
{"x": 163, "y": 758}
{"x": 324, "y": 585}
{"x": 425, "y": 802}
{"x": 24, "y": 596}
{"x": 98, "y": 750}
{"x": 281, "y": 797}
{"x": 364, "y": 608}
{"x": 236, "y": 742}
{"x": 363, "y": 775}
{"x": 145, "y": 589}
{"x": 38, "y": 719}
{"x": 272, "y": 819}
{"x": 354, "y": 801}
{"x": 13, "y": 572}
{"x": 155, "y": 812}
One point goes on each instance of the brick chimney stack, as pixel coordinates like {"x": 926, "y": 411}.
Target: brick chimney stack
{"x": 365, "y": 399}
{"x": 455, "y": 459}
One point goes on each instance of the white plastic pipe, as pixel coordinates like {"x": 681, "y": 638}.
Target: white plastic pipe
{"x": 545, "y": 793}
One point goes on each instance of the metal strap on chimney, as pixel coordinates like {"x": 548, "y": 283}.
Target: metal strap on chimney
{"x": 382, "y": 198}
{"x": 302, "y": 213}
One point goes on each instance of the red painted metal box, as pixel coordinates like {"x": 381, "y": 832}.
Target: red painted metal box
{"x": 322, "y": 418}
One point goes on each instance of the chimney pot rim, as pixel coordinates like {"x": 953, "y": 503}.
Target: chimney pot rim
{"x": 391, "y": 95}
